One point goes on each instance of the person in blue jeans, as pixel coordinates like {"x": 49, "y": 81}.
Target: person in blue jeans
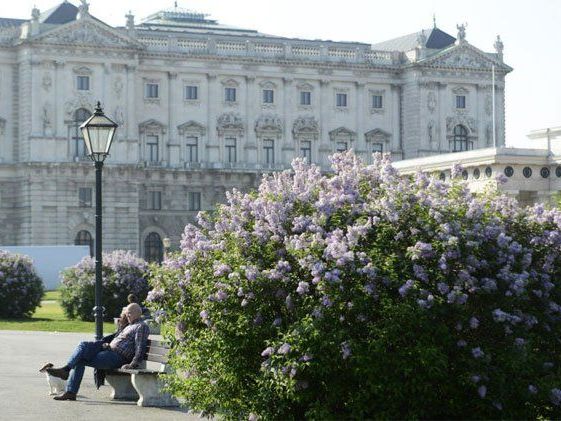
{"x": 126, "y": 350}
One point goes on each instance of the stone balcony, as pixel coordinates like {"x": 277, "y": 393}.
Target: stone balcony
{"x": 291, "y": 50}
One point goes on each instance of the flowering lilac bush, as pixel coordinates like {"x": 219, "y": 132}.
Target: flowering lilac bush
{"x": 363, "y": 294}
{"x": 123, "y": 274}
{"x": 21, "y": 289}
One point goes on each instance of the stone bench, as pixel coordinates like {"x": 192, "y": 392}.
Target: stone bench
{"x": 143, "y": 384}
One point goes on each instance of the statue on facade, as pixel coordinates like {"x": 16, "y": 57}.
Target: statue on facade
{"x": 130, "y": 21}
{"x": 499, "y": 46}
{"x": 462, "y": 32}
{"x": 46, "y": 120}
{"x": 83, "y": 9}
{"x": 35, "y": 14}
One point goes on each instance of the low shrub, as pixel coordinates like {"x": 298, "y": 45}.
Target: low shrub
{"x": 122, "y": 274}
{"x": 21, "y": 289}
{"x": 362, "y": 294}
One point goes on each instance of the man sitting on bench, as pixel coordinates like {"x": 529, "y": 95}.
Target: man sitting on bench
{"x": 126, "y": 351}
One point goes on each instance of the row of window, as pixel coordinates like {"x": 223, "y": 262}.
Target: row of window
{"x": 153, "y": 199}
{"x": 153, "y": 245}
{"x": 231, "y": 149}
{"x": 191, "y": 93}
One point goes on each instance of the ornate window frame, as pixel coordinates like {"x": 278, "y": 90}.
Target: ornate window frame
{"x": 230, "y": 125}
{"x": 147, "y": 128}
{"x": 342, "y": 108}
{"x": 371, "y": 94}
{"x": 195, "y": 83}
{"x": 342, "y": 134}
{"x": 461, "y": 120}
{"x": 306, "y": 129}
{"x": 230, "y": 83}
{"x": 82, "y": 71}
{"x": 191, "y": 128}
{"x": 268, "y": 127}
{"x": 151, "y": 81}
{"x": 377, "y": 136}
{"x": 460, "y": 91}
{"x": 305, "y": 87}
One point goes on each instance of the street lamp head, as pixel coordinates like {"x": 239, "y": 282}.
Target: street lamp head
{"x": 98, "y": 132}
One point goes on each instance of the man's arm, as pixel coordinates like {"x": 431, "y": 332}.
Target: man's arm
{"x": 140, "y": 340}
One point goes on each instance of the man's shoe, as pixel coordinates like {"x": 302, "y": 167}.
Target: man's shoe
{"x": 66, "y": 396}
{"x": 61, "y": 373}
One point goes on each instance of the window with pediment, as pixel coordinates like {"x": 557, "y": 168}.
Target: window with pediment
{"x": 305, "y": 131}
{"x": 152, "y": 135}
{"x": 342, "y": 139}
{"x": 191, "y": 133}
{"x": 268, "y": 130}
{"x": 377, "y": 141}
{"x": 230, "y": 129}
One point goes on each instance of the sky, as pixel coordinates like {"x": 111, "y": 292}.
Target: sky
{"x": 530, "y": 31}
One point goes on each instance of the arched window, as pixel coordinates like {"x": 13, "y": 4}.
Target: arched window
{"x": 153, "y": 248}
{"x": 461, "y": 142}
{"x": 78, "y": 146}
{"x": 84, "y": 238}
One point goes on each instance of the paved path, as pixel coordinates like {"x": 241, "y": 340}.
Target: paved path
{"x": 23, "y": 390}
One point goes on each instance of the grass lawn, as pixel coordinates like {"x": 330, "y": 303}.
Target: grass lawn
{"x": 50, "y": 317}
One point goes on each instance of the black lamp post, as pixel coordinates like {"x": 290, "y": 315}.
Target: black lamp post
{"x": 98, "y": 132}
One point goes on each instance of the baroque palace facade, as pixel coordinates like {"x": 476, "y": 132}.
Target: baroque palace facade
{"x": 203, "y": 108}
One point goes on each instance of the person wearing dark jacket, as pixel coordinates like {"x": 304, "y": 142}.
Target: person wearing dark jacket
{"x": 125, "y": 350}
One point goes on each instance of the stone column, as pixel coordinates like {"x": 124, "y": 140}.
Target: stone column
{"x": 287, "y": 146}
{"x": 173, "y": 89}
{"x": 132, "y": 123}
{"x": 248, "y": 145}
{"x": 211, "y": 153}
{"x": 324, "y": 147}
{"x": 360, "y": 144}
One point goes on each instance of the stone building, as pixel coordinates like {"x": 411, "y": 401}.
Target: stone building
{"x": 204, "y": 108}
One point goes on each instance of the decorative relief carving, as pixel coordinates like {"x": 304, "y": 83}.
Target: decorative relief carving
{"x": 229, "y": 121}
{"x": 151, "y": 126}
{"x": 431, "y": 101}
{"x": 119, "y": 116}
{"x": 47, "y": 82}
{"x": 463, "y": 120}
{"x": 305, "y": 86}
{"x": 460, "y": 90}
{"x": 230, "y": 83}
{"x": 46, "y": 119}
{"x": 268, "y": 123}
{"x": 118, "y": 86}
{"x": 191, "y": 126}
{"x": 86, "y": 33}
{"x": 342, "y": 132}
{"x": 432, "y": 135}
{"x": 80, "y": 101}
{"x": 82, "y": 70}
{"x": 305, "y": 125}
{"x": 489, "y": 134}
{"x": 488, "y": 104}
{"x": 2, "y": 126}
{"x": 267, "y": 84}
{"x": 377, "y": 136}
